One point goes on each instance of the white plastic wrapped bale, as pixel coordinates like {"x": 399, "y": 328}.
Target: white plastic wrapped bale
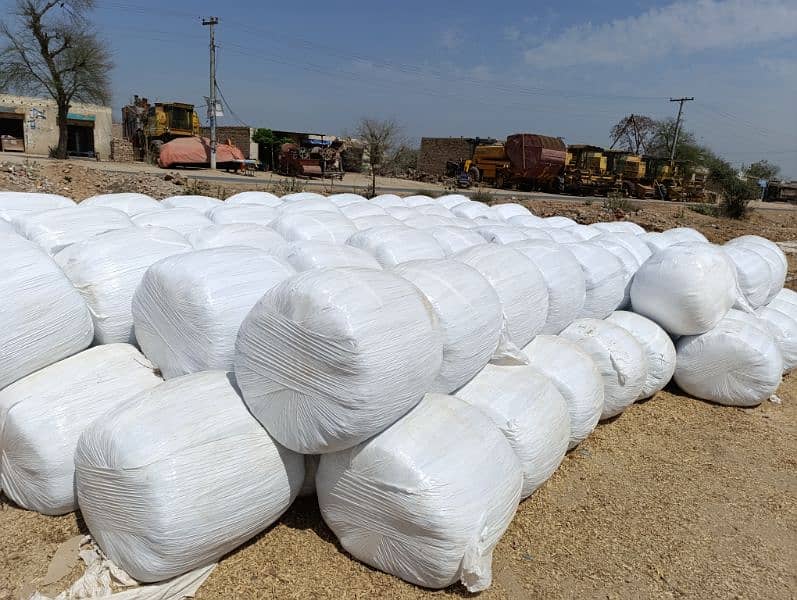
{"x": 182, "y": 220}
{"x": 331, "y": 357}
{"x": 510, "y": 209}
{"x": 784, "y": 299}
{"x": 770, "y": 252}
{"x": 454, "y": 239}
{"x": 562, "y": 235}
{"x": 451, "y": 200}
{"x": 302, "y": 196}
{"x": 44, "y": 319}
{"x": 736, "y": 363}
{"x": 309, "y": 204}
{"x": 501, "y": 234}
{"x": 42, "y": 416}
{"x": 385, "y": 200}
{"x": 559, "y": 222}
{"x": 468, "y": 315}
{"x": 619, "y": 357}
{"x": 181, "y": 475}
{"x": 363, "y": 223}
{"x": 237, "y": 234}
{"x": 564, "y": 279}
{"x": 686, "y": 288}
{"x": 753, "y": 273}
{"x": 362, "y": 209}
{"x": 401, "y": 212}
{"x": 107, "y": 269}
{"x": 256, "y": 198}
{"x": 129, "y": 203}
{"x": 519, "y": 284}
{"x": 199, "y": 203}
{"x": 310, "y": 469}
{"x": 658, "y": 347}
{"x": 312, "y": 254}
{"x": 418, "y": 200}
{"x": 583, "y": 232}
{"x": 243, "y": 213}
{"x": 427, "y": 221}
{"x": 6, "y": 227}
{"x": 534, "y": 233}
{"x": 346, "y": 199}
{"x": 434, "y": 209}
{"x": 781, "y": 322}
{"x": 619, "y": 227}
{"x": 14, "y": 204}
{"x": 391, "y": 246}
{"x": 678, "y": 235}
{"x": 638, "y": 248}
{"x": 604, "y": 278}
{"x": 320, "y": 226}
{"x": 56, "y": 229}
{"x": 526, "y": 220}
{"x": 471, "y": 210}
{"x": 531, "y": 413}
{"x": 427, "y": 499}
{"x": 627, "y": 259}
{"x": 188, "y": 307}
{"x": 575, "y": 375}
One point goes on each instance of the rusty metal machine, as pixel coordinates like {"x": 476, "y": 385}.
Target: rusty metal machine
{"x": 525, "y": 160}
{"x": 314, "y": 161}
{"x": 586, "y": 172}
{"x": 629, "y": 169}
{"x": 149, "y": 126}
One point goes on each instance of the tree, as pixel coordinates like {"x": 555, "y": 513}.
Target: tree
{"x": 763, "y": 169}
{"x": 737, "y": 193}
{"x": 53, "y": 50}
{"x": 633, "y": 133}
{"x": 380, "y": 138}
{"x": 266, "y": 138}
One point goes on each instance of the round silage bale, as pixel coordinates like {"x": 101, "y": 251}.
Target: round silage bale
{"x": 604, "y": 277}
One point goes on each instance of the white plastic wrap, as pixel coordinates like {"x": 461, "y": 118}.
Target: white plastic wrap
{"x": 182, "y": 220}
{"x": 559, "y": 222}
{"x": 535, "y": 233}
{"x": 128, "y": 202}
{"x": 320, "y": 226}
{"x": 562, "y": 235}
{"x": 391, "y": 246}
{"x": 180, "y": 475}
{"x": 633, "y": 243}
{"x": 312, "y": 203}
{"x": 256, "y": 198}
{"x": 753, "y": 273}
{"x": 311, "y": 254}
{"x": 454, "y": 239}
{"x": 451, "y": 200}
{"x": 784, "y": 299}
{"x": 362, "y": 209}
{"x": 237, "y": 234}
{"x": 369, "y": 222}
{"x": 678, "y": 235}
{"x": 401, "y": 212}
{"x": 658, "y": 347}
{"x": 42, "y": 416}
{"x": 418, "y": 200}
{"x": 576, "y": 377}
{"x": 56, "y": 229}
{"x": 199, "y": 203}
{"x": 770, "y": 252}
{"x": 619, "y": 357}
{"x": 385, "y": 200}
{"x": 619, "y": 227}
{"x": 188, "y": 307}
{"x": 14, "y": 204}
{"x": 331, "y": 357}
{"x": 627, "y": 259}
{"x": 583, "y": 232}
{"x": 567, "y": 288}
{"x": 525, "y": 220}
{"x": 510, "y": 209}
{"x": 781, "y": 322}
{"x": 471, "y": 210}
{"x": 736, "y": 363}
{"x": 243, "y": 213}
{"x": 43, "y": 318}
{"x": 435, "y": 210}
{"x": 426, "y": 500}
{"x": 501, "y": 234}
{"x": 686, "y": 288}
{"x": 346, "y": 199}
{"x": 531, "y": 413}
{"x": 107, "y": 269}
{"x": 303, "y": 196}
{"x": 604, "y": 278}
{"x": 6, "y": 227}
{"x": 468, "y": 315}
{"x": 428, "y": 221}
{"x": 519, "y": 284}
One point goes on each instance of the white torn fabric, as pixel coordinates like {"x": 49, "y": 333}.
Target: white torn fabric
{"x": 182, "y": 220}
{"x": 427, "y": 499}
{"x": 42, "y": 416}
{"x": 256, "y": 198}
{"x": 604, "y": 278}
{"x": 531, "y": 413}
{"x": 180, "y": 475}
{"x": 43, "y": 318}
{"x": 243, "y": 213}
{"x": 391, "y": 246}
{"x": 455, "y": 239}
{"x": 576, "y": 377}
{"x": 619, "y": 357}
{"x": 331, "y": 357}
{"x": 56, "y": 229}
{"x": 107, "y": 269}
{"x": 129, "y": 203}
{"x": 468, "y": 315}
{"x": 202, "y": 204}
{"x": 312, "y": 254}
{"x": 188, "y": 307}
{"x": 314, "y": 225}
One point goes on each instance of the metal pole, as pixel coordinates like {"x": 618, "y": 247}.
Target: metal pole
{"x": 212, "y": 22}
{"x": 677, "y": 125}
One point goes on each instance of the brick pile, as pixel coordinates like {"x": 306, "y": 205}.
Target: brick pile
{"x": 122, "y": 150}
{"x": 435, "y": 152}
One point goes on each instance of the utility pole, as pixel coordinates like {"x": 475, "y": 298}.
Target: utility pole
{"x": 212, "y": 22}
{"x": 680, "y": 102}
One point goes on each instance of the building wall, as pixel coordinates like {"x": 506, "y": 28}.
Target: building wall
{"x": 41, "y": 127}
{"x": 240, "y": 136}
{"x": 436, "y": 151}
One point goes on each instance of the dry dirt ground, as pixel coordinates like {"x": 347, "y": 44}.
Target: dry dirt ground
{"x": 676, "y": 498}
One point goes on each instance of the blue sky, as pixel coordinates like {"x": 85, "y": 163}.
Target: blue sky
{"x": 570, "y": 69}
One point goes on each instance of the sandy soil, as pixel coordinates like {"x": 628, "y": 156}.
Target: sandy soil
{"x": 676, "y": 498}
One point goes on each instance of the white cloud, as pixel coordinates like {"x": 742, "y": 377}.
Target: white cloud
{"x": 682, "y": 27}
{"x": 451, "y": 39}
